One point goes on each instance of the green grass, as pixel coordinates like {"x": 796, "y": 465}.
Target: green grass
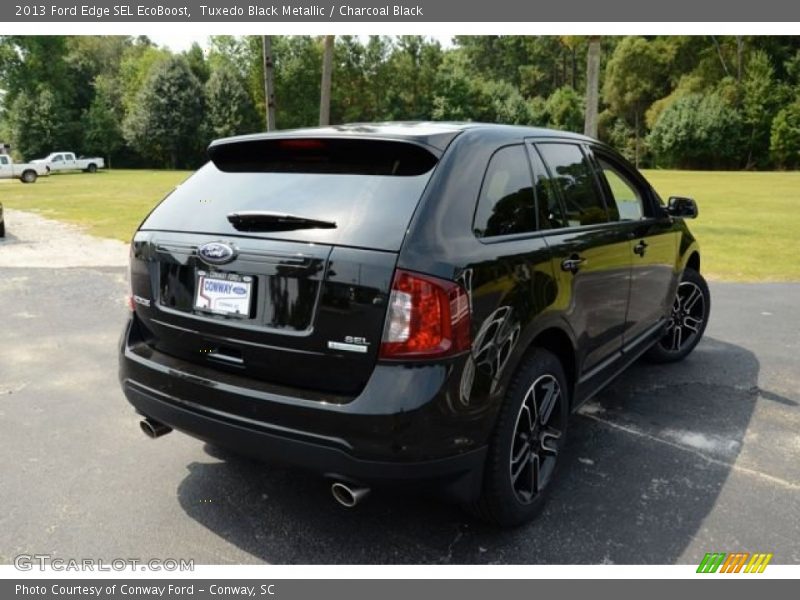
{"x": 107, "y": 203}
{"x": 747, "y": 228}
{"x": 749, "y": 222}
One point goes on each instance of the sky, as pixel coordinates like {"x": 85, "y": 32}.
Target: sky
{"x": 178, "y": 42}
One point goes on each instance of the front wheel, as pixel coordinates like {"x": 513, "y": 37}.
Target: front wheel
{"x": 529, "y": 436}
{"x": 687, "y": 320}
{"x": 28, "y": 177}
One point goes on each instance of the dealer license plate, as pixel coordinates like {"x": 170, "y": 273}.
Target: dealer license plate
{"x": 224, "y": 293}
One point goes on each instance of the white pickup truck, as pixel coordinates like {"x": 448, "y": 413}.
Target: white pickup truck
{"x": 66, "y": 161}
{"x": 25, "y": 172}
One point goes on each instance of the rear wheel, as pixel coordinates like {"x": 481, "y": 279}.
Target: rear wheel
{"x": 529, "y": 436}
{"x": 92, "y": 168}
{"x": 2, "y": 229}
{"x": 687, "y": 320}
{"x": 28, "y": 176}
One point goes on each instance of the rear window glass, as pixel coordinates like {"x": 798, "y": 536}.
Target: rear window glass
{"x": 371, "y": 199}
{"x": 321, "y": 155}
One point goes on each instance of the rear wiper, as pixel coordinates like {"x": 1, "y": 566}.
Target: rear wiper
{"x": 257, "y": 220}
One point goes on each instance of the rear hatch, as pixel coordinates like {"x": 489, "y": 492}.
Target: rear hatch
{"x": 275, "y": 260}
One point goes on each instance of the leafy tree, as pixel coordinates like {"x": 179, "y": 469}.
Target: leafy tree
{"x": 565, "y": 110}
{"x": 136, "y": 65}
{"x": 88, "y": 57}
{"x": 377, "y": 77}
{"x": 31, "y": 62}
{"x": 785, "y": 136}
{"x": 36, "y": 123}
{"x": 103, "y": 120}
{"x": 229, "y": 108}
{"x": 758, "y": 106}
{"x": 196, "y": 59}
{"x": 167, "y": 118}
{"x": 634, "y": 79}
{"x": 414, "y": 63}
{"x": 506, "y": 104}
{"x": 697, "y": 131}
{"x": 463, "y": 97}
{"x": 298, "y": 72}
{"x": 80, "y": 92}
{"x": 350, "y": 101}
{"x": 231, "y": 52}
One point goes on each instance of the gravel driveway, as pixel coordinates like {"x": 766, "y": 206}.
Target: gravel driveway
{"x": 34, "y": 241}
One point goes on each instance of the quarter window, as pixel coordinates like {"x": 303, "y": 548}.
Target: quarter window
{"x": 572, "y": 174}
{"x": 627, "y": 205}
{"x": 505, "y": 204}
{"x": 547, "y": 204}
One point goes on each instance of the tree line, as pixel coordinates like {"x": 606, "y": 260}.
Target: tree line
{"x": 700, "y": 102}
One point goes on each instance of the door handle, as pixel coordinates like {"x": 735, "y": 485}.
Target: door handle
{"x": 573, "y": 263}
{"x": 640, "y": 248}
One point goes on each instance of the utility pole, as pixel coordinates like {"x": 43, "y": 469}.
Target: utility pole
{"x": 325, "y": 88}
{"x": 269, "y": 82}
{"x": 592, "y": 86}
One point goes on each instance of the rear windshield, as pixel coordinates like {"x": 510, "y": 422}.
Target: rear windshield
{"x": 369, "y": 191}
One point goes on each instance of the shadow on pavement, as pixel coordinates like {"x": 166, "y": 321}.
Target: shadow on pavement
{"x": 644, "y": 465}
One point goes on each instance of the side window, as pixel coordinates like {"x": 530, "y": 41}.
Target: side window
{"x": 58, "y": 158}
{"x": 3, "y": 160}
{"x": 572, "y": 174}
{"x": 505, "y": 204}
{"x": 627, "y": 205}
{"x": 547, "y": 204}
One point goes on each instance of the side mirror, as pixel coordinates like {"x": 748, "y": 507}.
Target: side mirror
{"x": 678, "y": 206}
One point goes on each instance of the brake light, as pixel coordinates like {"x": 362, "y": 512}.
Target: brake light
{"x": 428, "y": 317}
{"x": 301, "y": 144}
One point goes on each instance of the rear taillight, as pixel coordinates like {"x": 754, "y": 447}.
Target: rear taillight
{"x": 428, "y": 317}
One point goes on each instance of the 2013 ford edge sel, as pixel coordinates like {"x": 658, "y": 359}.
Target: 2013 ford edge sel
{"x": 409, "y": 303}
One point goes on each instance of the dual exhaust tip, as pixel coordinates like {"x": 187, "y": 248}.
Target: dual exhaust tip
{"x": 153, "y": 429}
{"x": 348, "y": 495}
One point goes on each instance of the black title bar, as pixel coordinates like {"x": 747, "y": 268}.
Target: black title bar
{"x": 400, "y": 11}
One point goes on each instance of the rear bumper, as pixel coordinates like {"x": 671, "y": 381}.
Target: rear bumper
{"x": 398, "y": 430}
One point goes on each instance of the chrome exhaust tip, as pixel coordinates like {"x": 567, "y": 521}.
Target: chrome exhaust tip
{"x": 153, "y": 429}
{"x": 347, "y": 495}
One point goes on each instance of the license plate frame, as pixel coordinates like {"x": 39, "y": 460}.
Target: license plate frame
{"x": 225, "y": 294}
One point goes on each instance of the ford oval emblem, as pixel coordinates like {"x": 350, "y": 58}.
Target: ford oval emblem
{"x": 216, "y": 253}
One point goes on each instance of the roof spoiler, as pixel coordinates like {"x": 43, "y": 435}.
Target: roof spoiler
{"x": 332, "y": 155}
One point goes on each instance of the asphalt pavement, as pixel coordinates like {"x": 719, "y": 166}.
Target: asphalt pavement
{"x": 666, "y": 464}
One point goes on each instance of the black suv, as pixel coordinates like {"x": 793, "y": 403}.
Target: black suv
{"x": 413, "y": 303}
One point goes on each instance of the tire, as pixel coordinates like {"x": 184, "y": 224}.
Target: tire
{"x": 687, "y": 320}
{"x": 28, "y": 177}
{"x": 2, "y": 229}
{"x": 92, "y": 168}
{"x": 518, "y": 475}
